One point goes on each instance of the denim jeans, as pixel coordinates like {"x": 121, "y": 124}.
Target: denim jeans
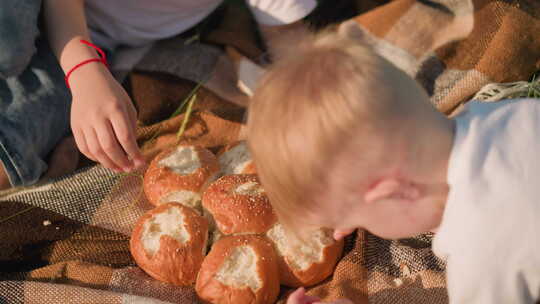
{"x": 34, "y": 100}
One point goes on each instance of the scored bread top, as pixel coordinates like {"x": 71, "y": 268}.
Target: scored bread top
{"x": 169, "y": 243}
{"x": 239, "y": 205}
{"x": 300, "y": 255}
{"x": 236, "y": 159}
{"x": 187, "y": 198}
{"x": 179, "y": 174}
{"x": 239, "y": 269}
{"x": 183, "y": 160}
{"x": 306, "y": 262}
{"x": 170, "y": 222}
{"x": 249, "y": 188}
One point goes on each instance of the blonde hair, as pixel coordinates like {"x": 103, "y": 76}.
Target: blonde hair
{"x": 311, "y": 107}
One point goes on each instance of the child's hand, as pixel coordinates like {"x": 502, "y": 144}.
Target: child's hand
{"x": 341, "y": 233}
{"x": 103, "y": 119}
{"x": 299, "y": 297}
{"x": 340, "y": 301}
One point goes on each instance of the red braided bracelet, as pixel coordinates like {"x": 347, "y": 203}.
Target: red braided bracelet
{"x": 102, "y": 59}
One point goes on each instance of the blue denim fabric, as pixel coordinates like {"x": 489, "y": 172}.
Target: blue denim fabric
{"x": 34, "y": 100}
{"x": 18, "y": 31}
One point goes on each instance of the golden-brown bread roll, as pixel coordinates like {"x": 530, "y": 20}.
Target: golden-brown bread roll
{"x": 169, "y": 243}
{"x": 305, "y": 263}
{"x": 180, "y": 174}
{"x": 213, "y": 233}
{"x": 239, "y": 205}
{"x": 239, "y": 270}
{"x": 236, "y": 159}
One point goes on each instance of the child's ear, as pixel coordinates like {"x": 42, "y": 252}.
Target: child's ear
{"x": 392, "y": 188}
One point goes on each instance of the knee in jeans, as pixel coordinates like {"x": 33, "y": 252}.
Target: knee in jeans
{"x": 15, "y": 54}
{"x": 18, "y": 32}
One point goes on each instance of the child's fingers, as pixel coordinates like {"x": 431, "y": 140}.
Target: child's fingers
{"x": 126, "y": 137}
{"x": 81, "y": 144}
{"x": 95, "y": 148}
{"x": 341, "y": 301}
{"x": 132, "y": 114}
{"x": 299, "y": 297}
{"x": 296, "y": 296}
{"x": 133, "y": 117}
{"x": 110, "y": 146}
{"x": 341, "y": 233}
{"x": 310, "y": 299}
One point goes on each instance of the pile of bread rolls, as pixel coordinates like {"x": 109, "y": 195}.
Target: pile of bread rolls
{"x": 213, "y": 226}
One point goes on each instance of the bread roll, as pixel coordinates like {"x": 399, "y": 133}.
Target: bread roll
{"x": 169, "y": 243}
{"x": 305, "y": 263}
{"x": 239, "y": 269}
{"x": 239, "y": 205}
{"x": 236, "y": 159}
{"x": 213, "y": 233}
{"x": 180, "y": 174}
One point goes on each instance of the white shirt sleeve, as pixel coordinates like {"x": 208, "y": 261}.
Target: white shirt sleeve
{"x": 486, "y": 278}
{"x": 490, "y": 229}
{"x": 279, "y": 12}
{"x": 495, "y": 269}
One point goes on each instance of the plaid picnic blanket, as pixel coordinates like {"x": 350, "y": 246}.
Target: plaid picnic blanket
{"x": 66, "y": 241}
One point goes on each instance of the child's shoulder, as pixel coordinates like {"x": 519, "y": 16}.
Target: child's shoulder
{"x": 513, "y": 113}
{"x": 510, "y": 106}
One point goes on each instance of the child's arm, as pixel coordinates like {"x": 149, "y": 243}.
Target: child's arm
{"x": 103, "y": 118}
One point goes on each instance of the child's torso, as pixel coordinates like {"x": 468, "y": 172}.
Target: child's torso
{"x": 491, "y": 222}
{"x": 137, "y": 22}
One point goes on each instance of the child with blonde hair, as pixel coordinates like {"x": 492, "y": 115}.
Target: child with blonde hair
{"x": 343, "y": 139}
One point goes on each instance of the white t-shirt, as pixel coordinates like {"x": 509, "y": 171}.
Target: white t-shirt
{"x": 490, "y": 232}
{"x": 139, "y": 22}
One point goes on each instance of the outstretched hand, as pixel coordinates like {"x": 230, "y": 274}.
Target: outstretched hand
{"x": 341, "y": 233}
{"x": 299, "y": 297}
{"x": 103, "y": 119}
